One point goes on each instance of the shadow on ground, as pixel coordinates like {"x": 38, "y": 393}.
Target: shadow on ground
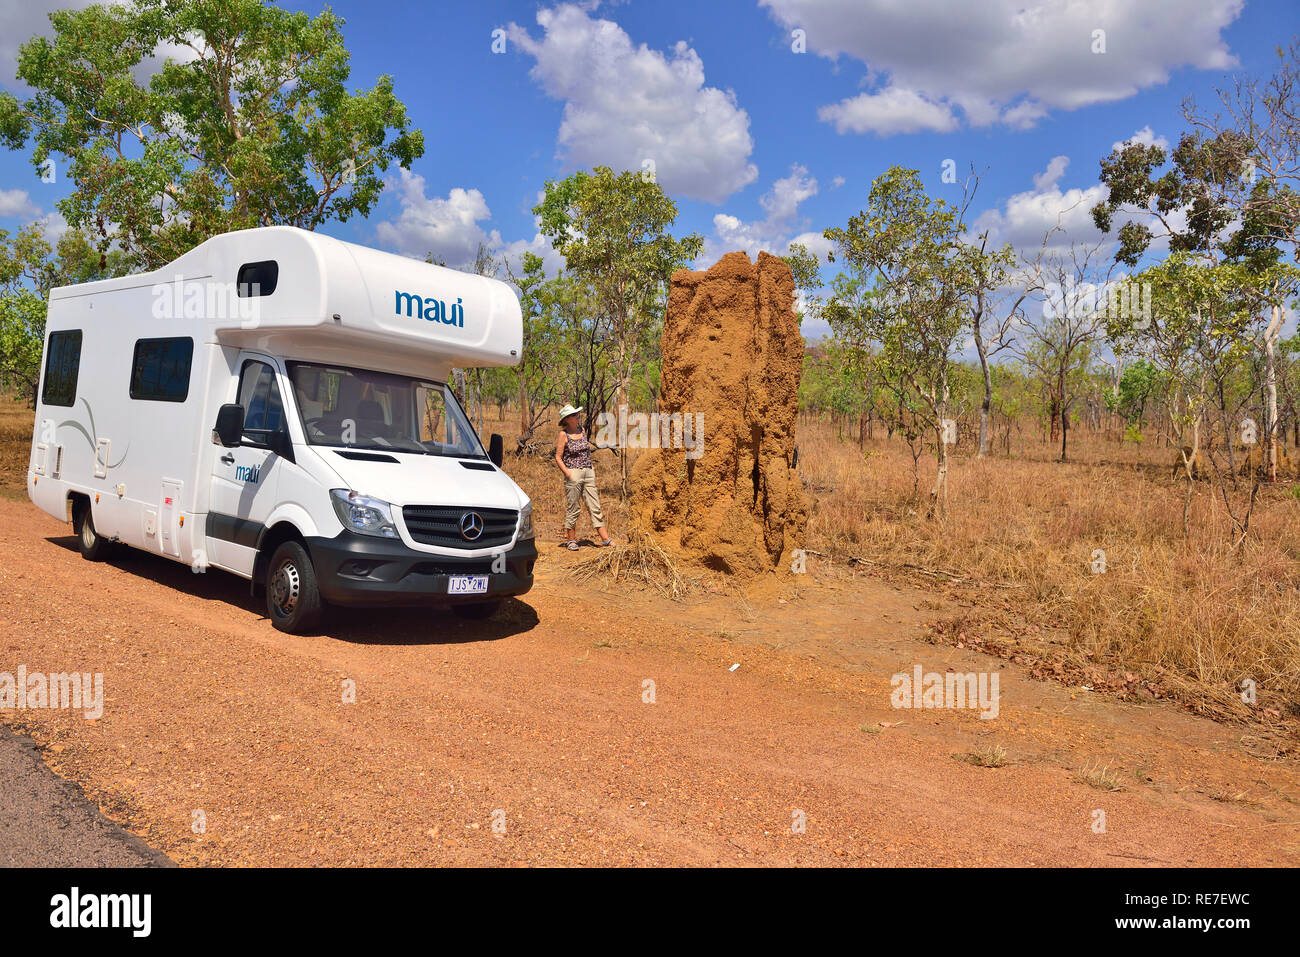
{"x": 384, "y": 625}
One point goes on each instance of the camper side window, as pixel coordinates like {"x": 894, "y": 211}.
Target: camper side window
{"x": 259, "y": 394}
{"x": 62, "y": 362}
{"x": 258, "y": 279}
{"x": 161, "y": 369}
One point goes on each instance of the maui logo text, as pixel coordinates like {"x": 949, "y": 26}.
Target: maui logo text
{"x": 248, "y": 473}
{"x": 430, "y": 309}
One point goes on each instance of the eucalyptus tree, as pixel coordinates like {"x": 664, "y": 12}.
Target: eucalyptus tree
{"x": 1227, "y": 193}
{"x": 1204, "y": 326}
{"x": 249, "y": 120}
{"x": 613, "y": 231}
{"x": 901, "y": 299}
{"x": 1060, "y": 345}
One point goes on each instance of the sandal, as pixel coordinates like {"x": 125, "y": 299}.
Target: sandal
{"x": 607, "y": 542}
{"x": 571, "y": 545}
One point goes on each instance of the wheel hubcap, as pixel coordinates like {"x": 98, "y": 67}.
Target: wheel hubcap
{"x": 87, "y": 532}
{"x": 285, "y": 585}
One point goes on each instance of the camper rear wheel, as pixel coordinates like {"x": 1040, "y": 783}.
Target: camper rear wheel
{"x": 293, "y": 601}
{"x": 93, "y": 547}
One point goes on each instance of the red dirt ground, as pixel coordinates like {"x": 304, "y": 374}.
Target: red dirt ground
{"x": 537, "y": 721}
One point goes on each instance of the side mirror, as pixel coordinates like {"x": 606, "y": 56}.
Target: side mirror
{"x": 496, "y": 450}
{"x": 230, "y": 425}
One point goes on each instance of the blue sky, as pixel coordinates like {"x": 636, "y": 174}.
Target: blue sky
{"x": 758, "y": 144}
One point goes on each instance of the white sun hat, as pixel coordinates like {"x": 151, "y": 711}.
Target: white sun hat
{"x": 569, "y": 410}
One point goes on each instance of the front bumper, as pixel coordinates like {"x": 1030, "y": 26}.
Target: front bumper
{"x": 354, "y": 569}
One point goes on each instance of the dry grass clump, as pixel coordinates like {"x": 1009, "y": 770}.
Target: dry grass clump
{"x": 1099, "y": 776}
{"x": 993, "y": 756}
{"x": 640, "y": 560}
{"x": 1190, "y": 608}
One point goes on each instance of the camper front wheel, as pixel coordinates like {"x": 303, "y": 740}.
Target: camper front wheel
{"x": 93, "y": 547}
{"x": 292, "y": 599}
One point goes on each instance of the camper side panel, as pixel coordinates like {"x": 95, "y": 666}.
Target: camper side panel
{"x": 119, "y": 417}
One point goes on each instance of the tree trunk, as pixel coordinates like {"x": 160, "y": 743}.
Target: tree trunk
{"x": 939, "y": 494}
{"x": 1065, "y": 427}
{"x": 620, "y": 405}
{"x": 525, "y": 415}
{"x": 1270, "y": 391}
{"x": 986, "y": 405}
{"x": 987, "y": 402}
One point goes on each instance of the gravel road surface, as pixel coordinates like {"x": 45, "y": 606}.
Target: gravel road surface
{"x": 585, "y": 727}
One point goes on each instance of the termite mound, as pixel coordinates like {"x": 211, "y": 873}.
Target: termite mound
{"x": 731, "y": 354}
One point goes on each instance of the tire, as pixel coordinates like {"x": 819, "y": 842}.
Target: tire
{"x": 93, "y": 547}
{"x": 478, "y": 611}
{"x": 293, "y": 601}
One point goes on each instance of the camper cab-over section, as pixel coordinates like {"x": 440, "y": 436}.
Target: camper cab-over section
{"x": 275, "y": 404}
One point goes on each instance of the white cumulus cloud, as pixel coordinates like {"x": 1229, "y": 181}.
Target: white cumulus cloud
{"x": 1003, "y": 61}
{"x": 780, "y": 227}
{"x": 625, "y": 104}
{"x": 1146, "y": 137}
{"x": 447, "y": 226}
{"x": 450, "y": 227}
{"x": 17, "y": 202}
{"x": 893, "y": 110}
{"x": 1025, "y": 218}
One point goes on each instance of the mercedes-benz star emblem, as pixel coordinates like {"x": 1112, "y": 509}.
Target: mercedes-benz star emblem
{"x": 471, "y": 526}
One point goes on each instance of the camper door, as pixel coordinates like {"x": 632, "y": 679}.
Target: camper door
{"x": 244, "y": 478}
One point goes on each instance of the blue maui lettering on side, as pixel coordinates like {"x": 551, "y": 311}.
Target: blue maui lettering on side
{"x": 429, "y": 309}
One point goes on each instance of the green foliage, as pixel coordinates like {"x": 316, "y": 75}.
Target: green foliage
{"x": 903, "y": 282}
{"x": 22, "y": 333}
{"x": 612, "y": 230}
{"x": 258, "y": 127}
{"x": 1205, "y": 323}
{"x": 835, "y": 382}
{"x": 806, "y": 268}
{"x": 1208, "y": 179}
{"x": 905, "y": 297}
{"x": 548, "y": 344}
{"x": 1139, "y": 383}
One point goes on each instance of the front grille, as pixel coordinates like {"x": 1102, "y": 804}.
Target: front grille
{"x": 440, "y": 525}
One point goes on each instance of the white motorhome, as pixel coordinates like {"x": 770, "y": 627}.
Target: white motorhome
{"x": 275, "y": 404}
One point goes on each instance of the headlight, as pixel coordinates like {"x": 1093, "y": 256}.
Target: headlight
{"x": 361, "y": 513}
{"x": 526, "y": 521}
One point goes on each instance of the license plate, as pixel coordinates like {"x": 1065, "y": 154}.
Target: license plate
{"x": 467, "y": 585}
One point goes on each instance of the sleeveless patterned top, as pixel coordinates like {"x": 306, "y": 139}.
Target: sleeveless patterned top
{"x": 577, "y": 452}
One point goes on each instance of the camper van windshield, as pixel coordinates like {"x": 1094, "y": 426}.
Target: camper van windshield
{"x": 360, "y": 409}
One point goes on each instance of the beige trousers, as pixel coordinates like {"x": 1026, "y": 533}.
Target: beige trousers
{"x": 579, "y": 490}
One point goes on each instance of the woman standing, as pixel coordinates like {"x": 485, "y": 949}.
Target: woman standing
{"x": 573, "y": 456}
